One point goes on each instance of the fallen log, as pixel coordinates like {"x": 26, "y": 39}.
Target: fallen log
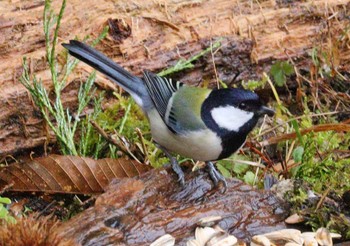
{"x": 137, "y": 211}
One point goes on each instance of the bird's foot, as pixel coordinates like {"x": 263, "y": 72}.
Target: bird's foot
{"x": 177, "y": 169}
{"x": 216, "y": 176}
{"x": 174, "y": 165}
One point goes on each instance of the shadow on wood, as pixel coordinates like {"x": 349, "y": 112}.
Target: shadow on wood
{"x": 137, "y": 211}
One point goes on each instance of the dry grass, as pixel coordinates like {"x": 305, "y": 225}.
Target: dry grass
{"x": 32, "y": 231}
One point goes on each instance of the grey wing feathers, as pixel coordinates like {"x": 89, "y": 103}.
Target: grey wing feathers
{"x": 161, "y": 90}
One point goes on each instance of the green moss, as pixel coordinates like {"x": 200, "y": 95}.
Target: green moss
{"x": 320, "y": 165}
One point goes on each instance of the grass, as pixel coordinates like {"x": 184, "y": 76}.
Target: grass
{"x": 64, "y": 125}
{"x": 187, "y": 64}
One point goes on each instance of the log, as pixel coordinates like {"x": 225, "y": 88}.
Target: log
{"x": 137, "y": 211}
{"x": 153, "y": 35}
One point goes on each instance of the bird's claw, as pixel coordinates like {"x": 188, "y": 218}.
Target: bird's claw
{"x": 174, "y": 165}
{"x": 216, "y": 176}
{"x": 177, "y": 169}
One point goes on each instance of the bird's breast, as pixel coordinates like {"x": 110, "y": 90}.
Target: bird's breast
{"x": 202, "y": 145}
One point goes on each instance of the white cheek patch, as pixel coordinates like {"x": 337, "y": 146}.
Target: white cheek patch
{"x": 230, "y": 118}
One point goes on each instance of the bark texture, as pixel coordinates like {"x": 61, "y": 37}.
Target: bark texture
{"x": 137, "y": 211}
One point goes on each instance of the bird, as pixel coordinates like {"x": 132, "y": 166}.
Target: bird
{"x": 198, "y": 123}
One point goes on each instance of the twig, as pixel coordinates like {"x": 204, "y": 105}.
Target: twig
{"x": 296, "y": 118}
{"x": 318, "y": 128}
{"x": 262, "y": 156}
{"x": 106, "y": 136}
{"x": 184, "y": 64}
{"x": 47, "y": 207}
{"x": 111, "y": 140}
{"x": 251, "y": 163}
{"x": 273, "y": 89}
{"x": 164, "y": 22}
{"x": 144, "y": 148}
{"x": 323, "y": 197}
{"x": 6, "y": 187}
{"x": 215, "y": 71}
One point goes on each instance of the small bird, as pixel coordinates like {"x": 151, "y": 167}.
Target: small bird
{"x": 199, "y": 123}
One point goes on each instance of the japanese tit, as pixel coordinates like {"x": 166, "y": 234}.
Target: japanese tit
{"x": 199, "y": 123}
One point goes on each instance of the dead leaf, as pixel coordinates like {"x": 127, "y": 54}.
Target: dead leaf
{"x": 68, "y": 174}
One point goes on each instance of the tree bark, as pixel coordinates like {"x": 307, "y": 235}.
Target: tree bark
{"x": 137, "y": 211}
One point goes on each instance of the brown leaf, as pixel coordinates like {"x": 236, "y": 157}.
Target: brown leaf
{"x": 68, "y": 174}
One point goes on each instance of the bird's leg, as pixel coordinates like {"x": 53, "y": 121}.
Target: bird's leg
{"x": 174, "y": 165}
{"x": 177, "y": 169}
{"x": 215, "y": 175}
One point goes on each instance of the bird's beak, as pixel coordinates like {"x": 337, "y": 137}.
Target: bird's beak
{"x": 265, "y": 110}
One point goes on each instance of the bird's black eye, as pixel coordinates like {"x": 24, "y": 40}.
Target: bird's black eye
{"x": 243, "y": 106}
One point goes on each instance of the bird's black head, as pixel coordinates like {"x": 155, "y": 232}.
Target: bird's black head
{"x": 232, "y": 114}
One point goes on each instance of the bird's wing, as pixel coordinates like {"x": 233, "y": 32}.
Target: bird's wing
{"x": 177, "y": 104}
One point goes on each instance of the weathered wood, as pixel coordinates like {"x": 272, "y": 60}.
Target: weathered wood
{"x": 137, "y": 211}
{"x": 160, "y": 33}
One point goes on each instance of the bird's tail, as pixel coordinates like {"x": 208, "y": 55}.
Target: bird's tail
{"x": 132, "y": 84}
